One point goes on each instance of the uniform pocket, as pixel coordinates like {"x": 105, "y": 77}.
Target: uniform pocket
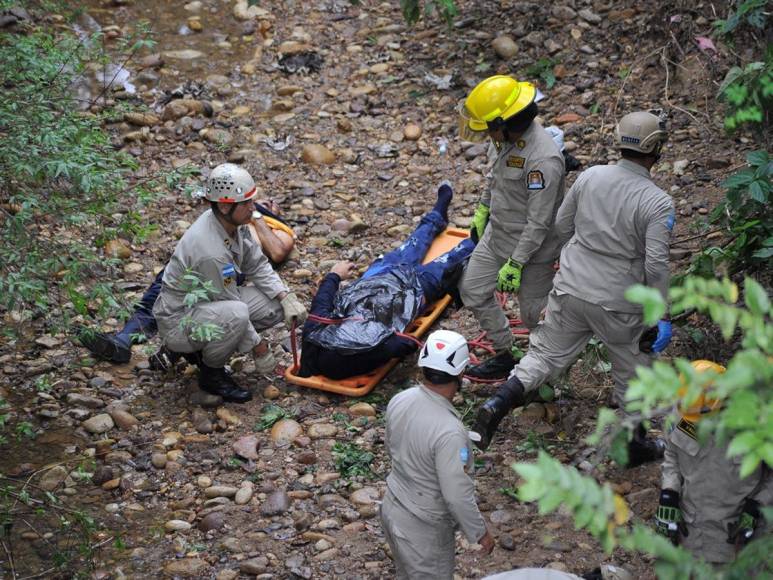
{"x": 620, "y": 327}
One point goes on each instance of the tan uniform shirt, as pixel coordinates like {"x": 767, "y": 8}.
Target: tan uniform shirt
{"x": 430, "y": 451}
{"x": 620, "y": 226}
{"x": 207, "y": 251}
{"x": 526, "y": 190}
{"x": 711, "y": 491}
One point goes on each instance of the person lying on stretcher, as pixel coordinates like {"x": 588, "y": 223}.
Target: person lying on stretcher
{"x": 355, "y": 330}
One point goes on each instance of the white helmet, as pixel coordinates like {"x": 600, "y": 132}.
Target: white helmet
{"x": 229, "y": 183}
{"x": 445, "y": 351}
{"x": 641, "y": 131}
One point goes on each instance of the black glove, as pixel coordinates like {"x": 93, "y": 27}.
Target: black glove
{"x": 647, "y": 339}
{"x": 741, "y": 531}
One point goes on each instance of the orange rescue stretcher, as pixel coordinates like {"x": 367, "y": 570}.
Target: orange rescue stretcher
{"x": 361, "y": 385}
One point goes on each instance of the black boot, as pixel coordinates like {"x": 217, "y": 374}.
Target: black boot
{"x": 496, "y": 367}
{"x": 643, "y": 449}
{"x": 508, "y": 396}
{"x": 217, "y": 381}
{"x": 105, "y": 346}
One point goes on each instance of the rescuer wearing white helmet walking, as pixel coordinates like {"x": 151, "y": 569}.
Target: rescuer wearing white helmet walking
{"x": 512, "y": 224}
{"x": 616, "y": 224}
{"x": 225, "y": 318}
{"x": 430, "y": 492}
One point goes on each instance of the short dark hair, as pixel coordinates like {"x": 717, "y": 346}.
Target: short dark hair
{"x": 439, "y": 377}
{"x": 631, "y": 154}
{"x": 519, "y": 122}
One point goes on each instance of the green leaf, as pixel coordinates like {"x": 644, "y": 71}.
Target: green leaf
{"x": 757, "y": 158}
{"x": 652, "y": 302}
{"x": 756, "y": 298}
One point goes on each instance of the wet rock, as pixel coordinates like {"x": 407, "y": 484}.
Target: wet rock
{"x": 362, "y": 410}
{"x": 317, "y": 155}
{"x": 85, "y": 400}
{"x": 177, "y": 526}
{"x": 285, "y": 431}
{"x": 322, "y": 430}
{"x": 203, "y": 481}
{"x": 212, "y": 521}
{"x": 186, "y": 568}
{"x": 183, "y": 54}
{"x": 275, "y": 504}
{"x": 365, "y": 496}
{"x": 201, "y": 421}
{"x": 246, "y": 447}
{"x": 220, "y": 491}
{"x": 226, "y": 415}
{"x": 589, "y": 16}
{"x": 506, "y": 541}
{"x": 244, "y": 495}
{"x": 505, "y": 47}
{"x": 254, "y": 566}
{"x": 123, "y": 419}
{"x": 98, "y": 424}
{"x": 53, "y": 478}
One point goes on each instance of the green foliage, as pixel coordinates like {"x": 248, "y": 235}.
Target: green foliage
{"x": 198, "y": 290}
{"x": 60, "y": 173}
{"x": 748, "y": 92}
{"x": 412, "y": 9}
{"x": 271, "y": 414}
{"x": 543, "y": 69}
{"x": 745, "y": 215}
{"x": 351, "y": 461}
{"x": 533, "y": 443}
{"x": 748, "y": 12}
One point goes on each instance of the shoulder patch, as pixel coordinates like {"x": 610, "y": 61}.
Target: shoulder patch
{"x": 687, "y": 428}
{"x": 229, "y": 274}
{"x": 515, "y": 161}
{"x": 520, "y": 143}
{"x": 464, "y": 454}
{"x": 671, "y": 220}
{"x": 535, "y": 180}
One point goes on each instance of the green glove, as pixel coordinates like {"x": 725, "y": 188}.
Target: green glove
{"x": 741, "y": 532}
{"x": 479, "y": 221}
{"x": 668, "y": 518}
{"x": 509, "y": 279}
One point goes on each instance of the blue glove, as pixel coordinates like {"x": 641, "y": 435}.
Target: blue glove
{"x": 664, "y": 336}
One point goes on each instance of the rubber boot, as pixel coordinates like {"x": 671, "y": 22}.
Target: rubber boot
{"x": 105, "y": 346}
{"x": 216, "y": 381}
{"x": 643, "y": 449}
{"x": 496, "y": 367}
{"x": 508, "y": 396}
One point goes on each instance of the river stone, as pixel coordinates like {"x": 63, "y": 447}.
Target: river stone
{"x": 186, "y": 568}
{"x": 362, "y": 410}
{"x": 317, "y": 155}
{"x": 212, "y": 521}
{"x": 365, "y": 496}
{"x": 254, "y": 566}
{"x": 244, "y": 495}
{"x": 53, "y": 478}
{"x": 276, "y": 503}
{"x": 500, "y": 517}
{"x": 505, "y": 47}
{"x": 246, "y": 447}
{"x": 271, "y": 392}
{"x": 177, "y": 526}
{"x": 227, "y": 575}
{"x": 117, "y": 249}
{"x": 226, "y": 415}
{"x": 285, "y": 431}
{"x": 85, "y": 400}
{"x": 99, "y": 424}
{"x": 243, "y": 10}
{"x": 412, "y": 132}
{"x": 322, "y": 430}
{"x": 141, "y": 119}
{"x": 158, "y": 460}
{"x": 220, "y": 491}
{"x": 184, "y": 54}
{"x": 123, "y": 419}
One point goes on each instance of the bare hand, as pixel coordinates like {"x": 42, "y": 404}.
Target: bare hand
{"x": 487, "y": 542}
{"x": 345, "y": 270}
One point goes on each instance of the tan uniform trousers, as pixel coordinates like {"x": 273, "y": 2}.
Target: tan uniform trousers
{"x": 238, "y": 319}
{"x": 420, "y": 550}
{"x": 479, "y": 283}
{"x": 568, "y": 326}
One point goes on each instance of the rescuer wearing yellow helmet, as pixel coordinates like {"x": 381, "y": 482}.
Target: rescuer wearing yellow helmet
{"x": 512, "y": 224}
{"x": 704, "y": 503}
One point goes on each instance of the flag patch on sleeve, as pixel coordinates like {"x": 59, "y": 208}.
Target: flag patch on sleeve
{"x": 229, "y": 274}
{"x": 535, "y": 180}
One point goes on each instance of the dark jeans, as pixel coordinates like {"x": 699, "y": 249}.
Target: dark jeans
{"x": 412, "y": 251}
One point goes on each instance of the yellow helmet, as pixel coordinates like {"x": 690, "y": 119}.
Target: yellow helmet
{"x": 702, "y": 405}
{"x": 492, "y": 101}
